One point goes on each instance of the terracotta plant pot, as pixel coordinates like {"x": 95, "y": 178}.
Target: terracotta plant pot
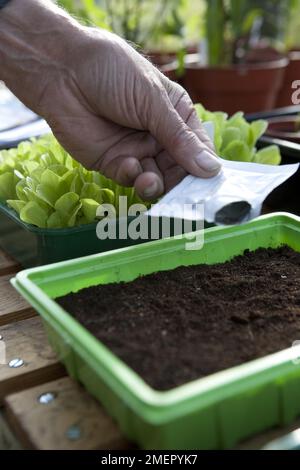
{"x": 292, "y": 73}
{"x": 251, "y": 87}
{"x": 286, "y": 128}
{"x": 170, "y": 71}
{"x": 161, "y": 58}
{"x": 262, "y": 53}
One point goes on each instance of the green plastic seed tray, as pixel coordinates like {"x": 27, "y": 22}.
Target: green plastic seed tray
{"x": 33, "y": 246}
{"x": 213, "y": 412}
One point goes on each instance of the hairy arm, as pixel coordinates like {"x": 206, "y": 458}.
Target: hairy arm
{"x": 106, "y": 104}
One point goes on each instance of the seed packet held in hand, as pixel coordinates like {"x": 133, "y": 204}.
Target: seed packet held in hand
{"x": 234, "y": 196}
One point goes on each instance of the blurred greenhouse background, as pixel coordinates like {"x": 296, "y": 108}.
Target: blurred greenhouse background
{"x": 193, "y": 41}
{"x": 171, "y": 24}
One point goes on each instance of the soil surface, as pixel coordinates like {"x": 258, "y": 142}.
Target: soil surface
{"x": 180, "y": 325}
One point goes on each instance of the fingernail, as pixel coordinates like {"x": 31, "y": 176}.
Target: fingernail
{"x": 134, "y": 171}
{"x": 208, "y": 162}
{"x": 151, "y": 191}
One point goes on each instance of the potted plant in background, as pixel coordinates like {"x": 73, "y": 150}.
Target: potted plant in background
{"x": 166, "y": 30}
{"x": 156, "y": 27}
{"x": 292, "y": 44}
{"x": 232, "y": 79}
{"x": 88, "y": 11}
{"x": 280, "y": 31}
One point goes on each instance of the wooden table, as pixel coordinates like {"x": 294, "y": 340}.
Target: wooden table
{"x": 41, "y": 407}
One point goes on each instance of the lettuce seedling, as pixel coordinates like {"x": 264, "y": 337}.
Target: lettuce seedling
{"x": 236, "y": 139}
{"x": 49, "y": 189}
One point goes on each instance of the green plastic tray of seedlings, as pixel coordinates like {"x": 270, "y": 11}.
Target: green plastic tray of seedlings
{"x": 48, "y": 205}
{"x": 34, "y": 246}
{"x": 217, "y": 411}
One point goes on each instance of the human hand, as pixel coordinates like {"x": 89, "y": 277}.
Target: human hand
{"x": 110, "y": 107}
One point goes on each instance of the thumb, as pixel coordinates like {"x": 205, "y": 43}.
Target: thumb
{"x": 181, "y": 142}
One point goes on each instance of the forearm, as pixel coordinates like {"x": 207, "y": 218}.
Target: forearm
{"x": 32, "y": 33}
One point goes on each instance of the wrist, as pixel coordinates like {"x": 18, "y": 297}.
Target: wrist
{"x": 34, "y": 44}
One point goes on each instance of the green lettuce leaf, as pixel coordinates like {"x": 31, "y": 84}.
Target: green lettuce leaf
{"x": 89, "y": 209}
{"x": 230, "y": 135}
{"x": 16, "y": 204}
{"x": 238, "y": 151}
{"x": 7, "y": 186}
{"x": 268, "y": 156}
{"x": 235, "y": 138}
{"x": 33, "y": 214}
{"x": 67, "y": 203}
{"x": 257, "y": 129}
{"x": 55, "y": 221}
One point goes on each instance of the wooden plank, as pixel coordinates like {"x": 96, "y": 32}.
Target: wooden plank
{"x": 26, "y": 340}
{"x": 12, "y": 305}
{"x": 7, "y": 264}
{"x": 72, "y": 420}
{"x": 8, "y": 441}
